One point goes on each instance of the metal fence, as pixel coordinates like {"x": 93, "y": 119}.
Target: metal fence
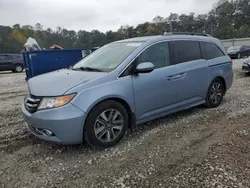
{"x": 235, "y": 42}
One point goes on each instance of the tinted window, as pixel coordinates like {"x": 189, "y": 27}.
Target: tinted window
{"x": 3, "y": 57}
{"x": 128, "y": 71}
{"x": 158, "y": 54}
{"x": 185, "y": 51}
{"x": 246, "y": 47}
{"x": 210, "y": 51}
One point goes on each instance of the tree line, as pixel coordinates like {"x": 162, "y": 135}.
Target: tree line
{"x": 227, "y": 19}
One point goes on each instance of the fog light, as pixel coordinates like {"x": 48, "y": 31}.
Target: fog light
{"x": 47, "y": 132}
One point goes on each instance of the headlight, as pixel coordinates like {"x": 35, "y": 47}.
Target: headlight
{"x": 246, "y": 62}
{"x": 53, "y": 102}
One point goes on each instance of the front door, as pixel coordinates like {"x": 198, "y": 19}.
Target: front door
{"x": 154, "y": 92}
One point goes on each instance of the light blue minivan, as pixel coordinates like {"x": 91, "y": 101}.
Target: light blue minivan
{"x": 126, "y": 83}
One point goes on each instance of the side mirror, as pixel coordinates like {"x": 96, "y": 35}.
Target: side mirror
{"x": 145, "y": 67}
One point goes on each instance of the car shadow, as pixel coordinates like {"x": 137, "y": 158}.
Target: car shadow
{"x": 9, "y": 72}
{"x": 6, "y": 72}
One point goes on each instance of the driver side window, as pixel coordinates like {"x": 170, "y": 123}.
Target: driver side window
{"x": 158, "y": 54}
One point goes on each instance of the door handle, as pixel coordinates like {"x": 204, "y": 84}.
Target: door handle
{"x": 182, "y": 75}
{"x": 177, "y": 76}
{"x": 171, "y": 77}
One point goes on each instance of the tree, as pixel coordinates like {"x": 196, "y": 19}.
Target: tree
{"x": 16, "y": 26}
{"x": 158, "y": 19}
{"x": 39, "y": 27}
{"x": 227, "y": 19}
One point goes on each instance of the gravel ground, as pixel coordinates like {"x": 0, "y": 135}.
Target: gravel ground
{"x": 196, "y": 148}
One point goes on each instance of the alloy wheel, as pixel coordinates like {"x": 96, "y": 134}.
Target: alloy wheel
{"x": 216, "y": 93}
{"x": 19, "y": 68}
{"x": 108, "y": 125}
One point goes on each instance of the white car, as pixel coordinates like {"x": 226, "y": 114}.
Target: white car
{"x": 246, "y": 65}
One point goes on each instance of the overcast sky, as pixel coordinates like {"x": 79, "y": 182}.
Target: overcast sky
{"x": 94, "y": 14}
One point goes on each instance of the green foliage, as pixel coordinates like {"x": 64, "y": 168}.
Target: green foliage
{"x": 227, "y": 19}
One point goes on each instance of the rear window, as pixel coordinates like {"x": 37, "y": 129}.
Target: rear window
{"x": 210, "y": 51}
{"x": 185, "y": 51}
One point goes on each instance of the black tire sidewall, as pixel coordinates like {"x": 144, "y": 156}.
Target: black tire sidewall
{"x": 89, "y": 134}
{"x": 209, "y": 103}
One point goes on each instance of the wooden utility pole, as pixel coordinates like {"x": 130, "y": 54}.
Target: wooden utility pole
{"x": 236, "y": 6}
{"x": 170, "y": 22}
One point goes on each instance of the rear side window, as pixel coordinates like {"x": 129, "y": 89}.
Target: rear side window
{"x": 184, "y": 51}
{"x": 210, "y": 51}
{"x": 3, "y": 57}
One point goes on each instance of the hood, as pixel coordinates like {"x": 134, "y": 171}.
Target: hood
{"x": 58, "y": 82}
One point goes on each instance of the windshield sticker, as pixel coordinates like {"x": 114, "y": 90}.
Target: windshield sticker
{"x": 134, "y": 44}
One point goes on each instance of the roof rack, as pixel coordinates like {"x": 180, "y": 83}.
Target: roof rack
{"x": 186, "y": 33}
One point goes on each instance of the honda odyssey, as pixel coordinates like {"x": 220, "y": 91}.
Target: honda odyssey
{"x": 125, "y": 83}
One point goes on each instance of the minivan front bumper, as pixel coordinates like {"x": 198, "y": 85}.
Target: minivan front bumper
{"x": 65, "y": 124}
{"x": 246, "y": 68}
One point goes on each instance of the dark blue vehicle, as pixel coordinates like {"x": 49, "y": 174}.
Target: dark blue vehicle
{"x": 11, "y": 62}
{"x": 238, "y": 51}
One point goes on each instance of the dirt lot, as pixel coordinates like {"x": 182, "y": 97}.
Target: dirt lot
{"x": 196, "y": 148}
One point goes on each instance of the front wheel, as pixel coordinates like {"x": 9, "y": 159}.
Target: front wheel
{"x": 215, "y": 93}
{"x": 106, "y": 124}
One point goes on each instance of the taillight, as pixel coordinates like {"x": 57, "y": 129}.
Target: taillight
{"x": 231, "y": 63}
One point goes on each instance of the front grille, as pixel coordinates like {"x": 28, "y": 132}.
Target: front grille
{"x": 32, "y": 102}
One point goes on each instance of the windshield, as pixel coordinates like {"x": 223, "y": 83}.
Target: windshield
{"x": 108, "y": 57}
{"x": 232, "y": 48}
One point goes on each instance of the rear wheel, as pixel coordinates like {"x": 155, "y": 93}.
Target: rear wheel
{"x": 18, "y": 68}
{"x": 215, "y": 93}
{"x": 106, "y": 124}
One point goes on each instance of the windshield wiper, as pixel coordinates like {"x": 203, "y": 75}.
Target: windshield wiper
{"x": 88, "y": 69}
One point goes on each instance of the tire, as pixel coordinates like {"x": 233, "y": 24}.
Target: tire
{"x": 215, "y": 93}
{"x": 18, "y": 68}
{"x": 103, "y": 127}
